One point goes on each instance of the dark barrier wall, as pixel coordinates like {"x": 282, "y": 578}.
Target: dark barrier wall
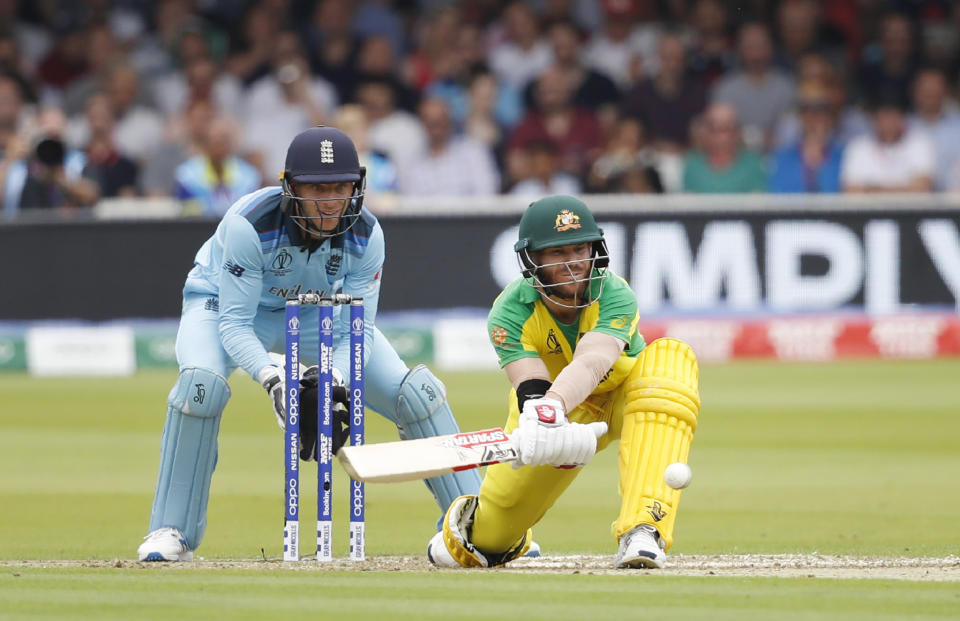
{"x": 97, "y": 271}
{"x": 788, "y": 261}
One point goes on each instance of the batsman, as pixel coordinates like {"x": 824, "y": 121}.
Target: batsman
{"x": 566, "y": 334}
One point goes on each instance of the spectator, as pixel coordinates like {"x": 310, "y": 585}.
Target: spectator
{"x": 12, "y": 62}
{"x": 892, "y": 158}
{"x": 183, "y": 138}
{"x": 525, "y": 54}
{"x": 376, "y": 18}
{"x": 812, "y": 163}
{"x": 33, "y": 40}
{"x": 437, "y": 55}
{"x": 625, "y": 149}
{"x": 617, "y": 50}
{"x": 211, "y": 181}
{"x": 712, "y": 54}
{"x": 52, "y": 175}
{"x": 492, "y": 109}
{"x": 939, "y": 117}
{"x": 252, "y": 45}
{"x": 332, "y": 46}
{"x": 47, "y": 184}
{"x": 451, "y": 165}
{"x": 100, "y": 56}
{"x": 381, "y": 171}
{"x": 723, "y": 165}
{"x": 541, "y": 172}
{"x": 178, "y": 37}
{"x": 200, "y": 80}
{"x": 376, "y": 60}
{"x": 393, "y": 131}
{"x": 757, "y": 91}
{"x": 575, "y": 131}
{"x": 798, "y": 31}
{"x": 466, "y": 76}
{"x": 14, "y": 145}
{"x": 889, "y": 66}
{"x": 591, "y": 89}
{"x": 138, "y": 128}
{"x": 114, "y": 173}
{"x": 667, "y": 102}
{"x": 64, "y": 63}
{"x": 282, "y": 104}
{"x": 640, "y": 178}
{"x": 851, "y": 121}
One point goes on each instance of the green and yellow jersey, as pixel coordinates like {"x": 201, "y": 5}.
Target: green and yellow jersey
{"x": 521, "y": 326}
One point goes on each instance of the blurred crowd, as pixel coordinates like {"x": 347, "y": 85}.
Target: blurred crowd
{"x": 198, "y": 99}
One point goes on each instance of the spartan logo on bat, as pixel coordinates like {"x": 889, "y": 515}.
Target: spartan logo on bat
{"x": 656, "y": 511}
{"x": 474, "y": 439}
{"x": 553, "y": 344}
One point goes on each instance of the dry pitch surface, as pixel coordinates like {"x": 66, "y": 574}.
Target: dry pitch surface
{"x": 945, "y": 569}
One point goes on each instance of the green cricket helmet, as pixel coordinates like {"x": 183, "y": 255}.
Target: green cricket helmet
{"x": 559, "y": 221}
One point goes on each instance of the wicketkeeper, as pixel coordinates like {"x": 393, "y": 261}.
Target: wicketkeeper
{"x": 582, "y": 376}
{"x": 311, "y": 234}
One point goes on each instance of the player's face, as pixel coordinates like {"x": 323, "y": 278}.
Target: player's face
{"x": 324, "y": 201}
{"x": 565, "y": 268}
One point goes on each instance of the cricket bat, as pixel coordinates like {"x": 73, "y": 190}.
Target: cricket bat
{"x": 409, "y": 460}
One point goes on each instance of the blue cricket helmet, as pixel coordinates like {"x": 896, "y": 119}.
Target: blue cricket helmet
{"x": 323, "y": 154}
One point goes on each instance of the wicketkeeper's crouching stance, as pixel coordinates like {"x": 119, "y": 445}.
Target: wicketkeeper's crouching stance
{"x": 566, "y": 334}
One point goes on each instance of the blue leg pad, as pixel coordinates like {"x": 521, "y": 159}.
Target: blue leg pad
{"x": 423, "y": 412}
{"x": 188, "y": 453}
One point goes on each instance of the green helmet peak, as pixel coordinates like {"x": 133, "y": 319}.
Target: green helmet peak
{"x": 557, "y": 221}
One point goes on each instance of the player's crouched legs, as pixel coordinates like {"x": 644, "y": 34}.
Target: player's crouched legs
{"x": 451, "y": 547}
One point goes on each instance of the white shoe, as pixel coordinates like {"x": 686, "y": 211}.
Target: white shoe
{"x": 642, "y": 547}
{"x": 165, "y": 544}
{"x": 533, "y": 551}
{"x": 438, "y": 553}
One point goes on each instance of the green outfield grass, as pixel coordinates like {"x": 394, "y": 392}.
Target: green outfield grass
{"x": 854, "y": 458}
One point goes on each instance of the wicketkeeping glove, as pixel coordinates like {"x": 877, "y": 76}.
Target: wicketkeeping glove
{"x": 271, "y": 378}
{"x": 545, "y": 437}
{"x": 309, "y": 395}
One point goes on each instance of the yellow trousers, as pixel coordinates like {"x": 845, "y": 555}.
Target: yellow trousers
{"x": 653, "y": 413}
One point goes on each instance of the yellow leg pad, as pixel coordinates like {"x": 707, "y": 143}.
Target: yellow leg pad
{"x": 662, "y": 404}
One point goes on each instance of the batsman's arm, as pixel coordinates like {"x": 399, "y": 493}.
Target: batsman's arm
{"x": 595, "y": 354}
{"x": 241, "y": 283}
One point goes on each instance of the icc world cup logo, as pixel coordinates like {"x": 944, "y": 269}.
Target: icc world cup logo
{"x": 326, "y": 324}
{"x": 294, "y": 324}
{"x": 358, "y": 324}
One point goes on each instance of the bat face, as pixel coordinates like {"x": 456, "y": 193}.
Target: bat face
{"x": 419, "y": 459}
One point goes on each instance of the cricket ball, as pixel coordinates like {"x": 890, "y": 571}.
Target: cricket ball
{"x": 677, "y": 475}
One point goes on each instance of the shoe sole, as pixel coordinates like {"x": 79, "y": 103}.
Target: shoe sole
{"x": 157, "y": 557}
{"x": 640, "y": 562}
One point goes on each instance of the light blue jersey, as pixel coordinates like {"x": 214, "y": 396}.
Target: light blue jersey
{"x": 234, "y": 304}
{"x": 259, "y": 257}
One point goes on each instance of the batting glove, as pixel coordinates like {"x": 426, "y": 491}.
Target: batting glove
{"x": 271, "y": 378}
{"x": 545, "y": 437}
